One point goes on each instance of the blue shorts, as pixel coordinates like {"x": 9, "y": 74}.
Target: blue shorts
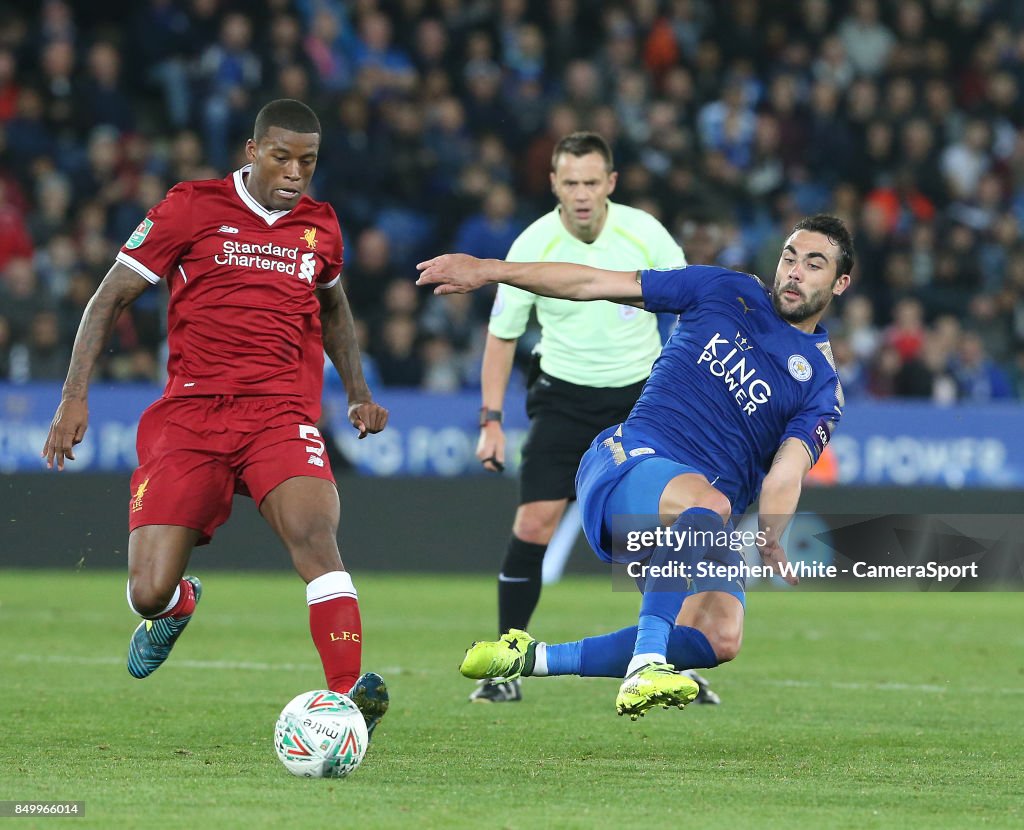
{"x": 619, "y": 483}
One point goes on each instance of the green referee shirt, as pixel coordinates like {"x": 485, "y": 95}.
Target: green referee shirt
{"x": 600, "y": 344}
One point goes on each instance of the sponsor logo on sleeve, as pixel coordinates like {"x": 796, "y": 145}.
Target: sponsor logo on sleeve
{"x": 139, "y": 235}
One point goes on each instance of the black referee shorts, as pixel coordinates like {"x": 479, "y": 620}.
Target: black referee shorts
{"x": 564, "y": 418}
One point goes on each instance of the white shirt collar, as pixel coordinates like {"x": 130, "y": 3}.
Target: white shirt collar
{"x": 268, "y": 216}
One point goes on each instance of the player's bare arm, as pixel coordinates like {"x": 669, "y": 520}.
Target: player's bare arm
{"x": 120, "y": 288}
{"x": 780, "y": 494}
{"x": 341, "y": 347}
{"x": 461, "y": 273}
{"x": 495, "y": 370}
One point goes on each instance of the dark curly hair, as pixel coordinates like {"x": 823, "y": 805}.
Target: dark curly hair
{"x": 838, "y": 234}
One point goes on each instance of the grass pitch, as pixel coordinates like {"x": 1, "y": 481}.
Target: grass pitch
{"x": 845, "y": 710}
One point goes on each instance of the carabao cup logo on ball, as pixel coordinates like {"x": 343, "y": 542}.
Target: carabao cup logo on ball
{"x": 320, "y": 734}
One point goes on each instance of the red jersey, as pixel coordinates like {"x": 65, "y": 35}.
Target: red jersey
{"x": 242, "y": 318}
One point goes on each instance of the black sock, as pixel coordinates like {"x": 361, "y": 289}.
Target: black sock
{"x": 519, "y": 583}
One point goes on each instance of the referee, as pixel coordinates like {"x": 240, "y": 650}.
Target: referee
{"x": 588, "y": 368}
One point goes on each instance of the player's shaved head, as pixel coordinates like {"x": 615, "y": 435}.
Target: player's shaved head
{"x": 288, "y": 114}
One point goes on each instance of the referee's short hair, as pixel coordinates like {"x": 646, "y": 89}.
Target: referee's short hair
{"x": 582, "y": 144}
{"x": 288, "y": 114}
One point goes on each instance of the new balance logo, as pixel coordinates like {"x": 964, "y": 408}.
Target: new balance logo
{"x": 227, "y": 229}
{"x": 316, "y": 461}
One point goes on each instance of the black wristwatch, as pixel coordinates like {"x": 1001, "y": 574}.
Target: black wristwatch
{"x": 487, "y": 415}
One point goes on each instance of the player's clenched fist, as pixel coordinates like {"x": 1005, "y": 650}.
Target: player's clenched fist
{"x": 369, "y": 418}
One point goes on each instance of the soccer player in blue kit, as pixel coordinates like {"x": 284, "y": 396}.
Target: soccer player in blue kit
{"x": 742, "y": 401}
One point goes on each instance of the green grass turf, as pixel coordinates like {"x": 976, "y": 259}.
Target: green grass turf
{"x": 856, "y": 710}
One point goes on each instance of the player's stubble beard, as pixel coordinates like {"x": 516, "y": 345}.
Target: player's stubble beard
{"x": 814, "y": 304}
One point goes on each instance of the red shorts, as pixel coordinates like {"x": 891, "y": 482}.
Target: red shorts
{"x": 196, "y": 453}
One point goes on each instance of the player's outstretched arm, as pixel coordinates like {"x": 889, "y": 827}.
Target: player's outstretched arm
{"x": 460, "y": 273}
{"x": 120, "y": 288}
{"x": 339, "y": 336}
{"x": 780, "y": 494}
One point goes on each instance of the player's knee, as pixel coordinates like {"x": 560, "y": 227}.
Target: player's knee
{"x": 713, "y": 499}
{"x": 725, "y": 643}
{"x": 309, "y": 533}
{"x": 148, "y": 599}
{"x": 313, "y": 546}
{"x": 534, "y": 527}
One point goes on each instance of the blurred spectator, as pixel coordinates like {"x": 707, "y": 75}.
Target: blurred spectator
{"x": 229, "y": 73}
{"x": 867, "y": 41}
{"x": 906, "y": 334}
{"x": 964, "y": 162}
{"x": 354, "y": 162}
{"x": 8, "y": 85}
{"x": 978, "y": 379}
{"x": 103, "y": 98}
{"x": 325, "y": 47}
{"x": 47, "y": 358}
{"x": 370, "y": 272}
{"x": 162, "y": 37}
{"x": 14, "y": 236}
{"x": 490, "y": 233}
{"x": 397, "y": 358}
{"x": 858, "y": 328}
{"x": 442, "y": 370}
{"x": 380, "y": 67}
{"x": 52, "y": 212}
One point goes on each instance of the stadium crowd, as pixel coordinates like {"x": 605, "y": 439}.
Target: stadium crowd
{"x": 729, "y": 121}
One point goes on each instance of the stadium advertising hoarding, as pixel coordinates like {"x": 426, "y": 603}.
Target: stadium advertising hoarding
{"x": 878, "y": 443}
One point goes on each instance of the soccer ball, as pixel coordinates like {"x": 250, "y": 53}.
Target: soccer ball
{"x": 320, "y": 734}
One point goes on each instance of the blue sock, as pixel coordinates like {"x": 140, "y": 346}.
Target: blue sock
{"x": 664, "y": 595}
{"x": 688, "y": 648}
{"x": 607, "y": 655}
{"x": 565, "y": 658}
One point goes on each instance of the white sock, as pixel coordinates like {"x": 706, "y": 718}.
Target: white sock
{"x": 540, "y": 661}
{"x": 642, "y": 660}
{"x": 174, "y": 601}
{"x": 331, "y": 585}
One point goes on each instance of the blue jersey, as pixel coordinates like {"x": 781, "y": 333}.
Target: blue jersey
{"x": 734, "y": 381}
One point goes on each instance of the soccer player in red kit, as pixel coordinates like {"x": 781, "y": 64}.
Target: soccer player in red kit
{"x": 253, "y": 266}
